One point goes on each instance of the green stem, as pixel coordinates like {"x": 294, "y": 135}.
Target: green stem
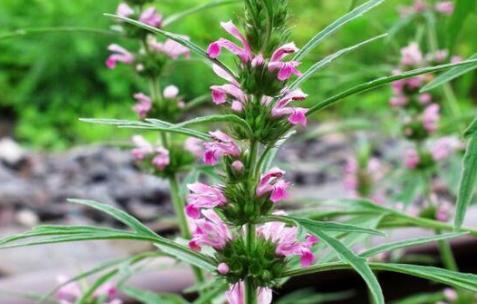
{"x": 250, "y": 289}
{"x": 447, "y": 256}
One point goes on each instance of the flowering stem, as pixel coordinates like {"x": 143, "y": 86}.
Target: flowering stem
{"x": 250, "y": 290}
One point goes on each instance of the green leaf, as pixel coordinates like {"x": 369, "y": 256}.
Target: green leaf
{"x": 178, "y": 16}
{"x": 423, "y": 298}
{"x": 329, "y": 59}
{"x": 450, "y": 75}
{"x": 189, "y": 257}
{"x": 471, "y": 129}
{"x": 148, "y": 297}
{"x": 151, "y": 125}
{"x": 218, "y": 289}
{"x": 87, "y": 296}
{"x": 462, "y": 10}
{"x": 177, "y": 38}
{"x": 118, "y": 214}
{"x": 382, "y": 81}
{"x": 357, "y": 263}
{"x": 408, "y": 243}
{"x": 333, "y": 27}
{"x": 468, "y": 178}
{"x": 266, "y": 160}
{"x": 331, "y": 226}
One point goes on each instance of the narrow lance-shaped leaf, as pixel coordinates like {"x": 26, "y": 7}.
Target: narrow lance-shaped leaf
{"x": 450, "y": 75}
{"x": 333, "y": 27}
{"x": 463, "y": 8}
{"x": 468, "y": 179}
{"x": 357, "y": 263}
{"x": 52, "y": 30}
{"x": 148, "y": 297}
{"x": 329, "y": 59}
{"x": 179, "y": 39}
{"x": 408, "y": 243}
{"x": 178, "y": 16}
{"x": 382, "y": 81}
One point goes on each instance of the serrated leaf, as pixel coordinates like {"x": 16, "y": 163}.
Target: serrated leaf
{"x": 468, "y": 179}
{"x": 450, "y": 75}
{"x": 329, "y": 59}
{"x": 179, "y": 39}
{"x": 383, "y": 81}
{"x": 336, "y": 25}
{"x": 408, "y": 243}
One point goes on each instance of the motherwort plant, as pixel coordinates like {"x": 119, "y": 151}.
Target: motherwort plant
{"x": 239, "y": 234}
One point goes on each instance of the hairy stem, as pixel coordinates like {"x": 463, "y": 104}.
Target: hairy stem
{"x": 250, "y": 289}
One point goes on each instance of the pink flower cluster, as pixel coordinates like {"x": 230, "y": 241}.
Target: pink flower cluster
{"x": 236, "y": 294}
{"x": 149, "y": 16}
{"x": 144, "y": 150}
{"x": 232, "y": 91}
{"x": 374, "y": 171}
{"x": 420, "y": 6}
{"x": 439, "y": 149}
{"x": 70, "y": 293}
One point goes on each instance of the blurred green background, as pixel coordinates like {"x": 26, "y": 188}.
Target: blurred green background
{"x": 48, "y": 81}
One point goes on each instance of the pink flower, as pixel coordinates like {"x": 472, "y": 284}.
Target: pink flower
{"x": 236, "y": 294}
{"x": 244, "y": 52}
{"x": 171, "y": 92}
{"x": 210, "y": 231}
{"x": 285, "y": 69}
{"x": 220, "y": 93}
{"x": 119, "y": 55}
{"x": 194, "y": 146}
{"x": 425, "y": 98}
{"x": 444, "y": 147}
{"x": 68, "y": 293}
{"x": 439, "y": 56}
{"x": 411, "y": 158}
{"x": 411, "y": 55}
{"x": 170, "y": 48}
{"x": 143, "y": 105}
{"x": 222, "y": 145}
{"x": 223, "y": 268}
{"x": 445, "y": 7}
{"x": 350, "y": 175}
{"x": 286, "y": 240}
{"x": 124, "y": 10}
{"x": 143, "y": 148}
{"x": 296, "y": 116}
{"x": 108, "y": 291}
{"x": 414, "y": 83}
{"x": 430, "y": 118}
{"x": 162, "y": 159}
{"x": 238, "y": 166}
{"x": 420, "y": 6}
{"x": 272, "y": 182}
{"x": 151, "y": 17}
{"x": 398, "y": 101}
{"x": 451, "y": 294}
{"x": 203, "y": 196}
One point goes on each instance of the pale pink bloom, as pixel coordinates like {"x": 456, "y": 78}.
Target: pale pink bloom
{"x": 220, "y": 93}
{"x": 223, "y": 268}
{"x": 161, "y": 160}
{"x": 171, "y": 92}
{"x": 439, "y": 56}
{"x": 398, "y": 101}
{"x": 194, "y": 146}
{"x": 143, "y": 105}
{"x": 285, "y": 69}
{"x": 272, "y": 183}
{"x": 244, "y": 52}
{"x": 210, "y": 231}
{"x": 224, "y": 75}
{"x": 415, "y": 82}
{"x": 124, "y": 10}
{"x": 443, "y": 212}
{"x": 411, "y": 55}
{"x": 444, "y": 147}
{"x": 238, "y": 166}
{"x": 451, "y": 294}
{"x": 425, "y": 98}
{"x": 430, "y": 118}
{"x": 445, "y": 7}
{"x": 296, "y": 116}
{"x": 119, "y": 54}
{"x": 236, "y": 294}
{"x": 398, "y": 86}
{"x": 350, "y": 175}
{"x": 170, "y": 48}
{"x": 143, "y": 148}
{"x": 411, "y": 158}
{"x": 456, "y": 59}
{"x": 108, "y": 291}
{"x": 68, "y": 293}
{"x": 420, "y": 6}
{"x": 237, "y": 106}
{"x": 151, "y": 17}
{"x": 286, "y": 241}
{"x": 203, "y": 196}
{"x": 223, "y": 145}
